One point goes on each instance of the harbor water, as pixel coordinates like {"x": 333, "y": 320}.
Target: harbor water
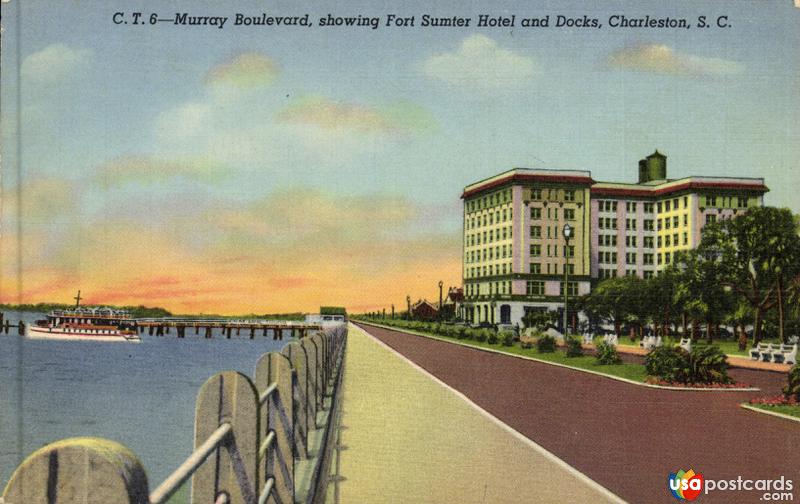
{"x": 139, "y": 394}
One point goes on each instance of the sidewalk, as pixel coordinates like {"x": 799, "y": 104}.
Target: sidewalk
{"x": 409, "y": 438}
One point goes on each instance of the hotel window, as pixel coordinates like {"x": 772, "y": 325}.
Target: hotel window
{"x": 490, "y": 253}
{"x": 711, "y": 201}
{"x": 658, "y": 258}
{"x": 555, "y": 213}
{"x": 630, "y": 206}
{"x": 686, "y": 238}
{"x": 675, "y": 221}
{"x": 535, "y": 288}
{"x": 484, "y": 271}
{"x": 648, "y": 208}
{"x": 685, "y": 202}
{"x": 630, "y": 241}
{"x": 659, "y": 242}
{"x": 491, "y": 235}
{"x": 648, "y": 242}
{"x": 536, "y": 250}
{"x": 711, "y": 218}
{"x": 536, "y": 194}
{"x": 536, "y": 231}
{"x": 667, "y": 241}
{"x": 630, "y": 272}
{"x": 630, "y": 224}
{"x": 614, "y": 223}
{"x": 572, "y": 288}
{"x": 491, "y": 218}
{"x": 630, "y": 258}
{"x": 536, "y": 268}
{"x": 659, "y": 207}
{"x": 675, "y": 239}
{"x": 647, "y": 258}
{"x": 667, "y": 258}
{"x": 569, "y": 250}
{"x": 569, "y": 213}
{"x": 555, "y": 231}
{"x": 569, "y": 195}
{"x": 741, "y": 202}
{"x": 685, "y": 219}
{"x": 659, "y": 225}
{"x": 675, "y": 203}
{"x": 536, "y": 213}
{"x": 648, "y": 224}
{"x": 504, "y": 233}
{"x": 667, "y": 206}
{"x": 648, "y": 274}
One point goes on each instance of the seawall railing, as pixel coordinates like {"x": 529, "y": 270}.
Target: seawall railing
{"x": 252, "y": 440}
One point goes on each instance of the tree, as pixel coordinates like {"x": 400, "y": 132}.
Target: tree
{"x": 614, "y": 299}
{"x": 760, "y": 253}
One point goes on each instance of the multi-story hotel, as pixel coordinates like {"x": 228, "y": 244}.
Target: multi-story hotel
{"x": 515, "y": 252}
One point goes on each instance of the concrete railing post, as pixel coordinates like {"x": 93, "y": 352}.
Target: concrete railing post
{"x": 79, "y": 471}
{"x": 228, "y": 397}
{"x": 277, "y": 416}
{"x": 297, "y": 356}
{"x": 313, "y": 383}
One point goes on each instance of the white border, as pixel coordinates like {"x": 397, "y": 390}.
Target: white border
{"x": 547, "y": 454}
{"x": 771, "y": 413}
{"x": 596, "y": 373}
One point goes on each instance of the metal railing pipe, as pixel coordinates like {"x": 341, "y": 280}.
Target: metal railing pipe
{"x": 185, "y": 471}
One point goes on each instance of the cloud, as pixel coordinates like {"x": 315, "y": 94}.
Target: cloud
{"x": 247, "y": 70}
{"x": 480, "y": 64}
{"x": 332, "y": 115}
{"x": 662, "y": 59}
{"x": 145, "y": 170}
{"x": 54, "y": 63}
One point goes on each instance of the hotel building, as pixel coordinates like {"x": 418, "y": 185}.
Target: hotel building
{"x": 515, "y": 252}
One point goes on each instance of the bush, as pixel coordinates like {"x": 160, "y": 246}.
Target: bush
{"x": 703, "y": 364}
{"x": 492, "y": 338}
{"x": 481, "y": 335}
{"x": 460, "y": 332}
{"x": 792, "y": 388}
{"x": 507, "y": 337}
{"x": 607, "y": 354}
{"x": 574, "y": 347}
{"x": 664, "y": 362}
{"x": 546, "y": 344}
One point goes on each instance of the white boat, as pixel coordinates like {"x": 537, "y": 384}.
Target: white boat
{"x": 85, "y": 323}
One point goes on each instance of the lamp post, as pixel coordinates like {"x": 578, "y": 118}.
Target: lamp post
{"x": 441, "y": 284}
{"x": 408, "y": 302}
{"x": 567, "y": 236}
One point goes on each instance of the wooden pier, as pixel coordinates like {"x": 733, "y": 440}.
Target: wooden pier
{"x": 251, "y": 328}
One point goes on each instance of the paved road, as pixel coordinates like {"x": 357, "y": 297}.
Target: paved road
{"x": 626, "y": 437}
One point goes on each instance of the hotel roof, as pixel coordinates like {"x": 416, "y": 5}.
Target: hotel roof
{"x": 619, "y": 189}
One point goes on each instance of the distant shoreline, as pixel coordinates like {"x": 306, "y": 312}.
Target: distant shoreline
{"x": 149, "y": 312}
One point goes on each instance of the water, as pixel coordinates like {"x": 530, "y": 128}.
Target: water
{"x": 141, "y": 395}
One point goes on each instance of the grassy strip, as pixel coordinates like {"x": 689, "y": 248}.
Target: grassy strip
{"x": 634, "y": 372}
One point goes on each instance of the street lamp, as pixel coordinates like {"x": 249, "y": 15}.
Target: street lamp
{"x": 567, "y": 236}
{"x": 408, "y": 302}
{"x": 441, "y": 284}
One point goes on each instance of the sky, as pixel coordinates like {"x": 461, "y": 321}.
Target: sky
{"x": 277, "y": 169}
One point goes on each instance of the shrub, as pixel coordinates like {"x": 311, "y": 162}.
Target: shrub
{"x": 574, "y": 347}
{"x": 492, "y": 339}
{"x": 470, "y": 333}
{"x": 607, "y": 354}
{"x": 546, "y": 344}
{"x": 507, "y": 337}
{"x": 664, "y": 362}
{"x": 792, "y": 388}
{"x": 703, "y": 364}
{"x": 481, "y": 335}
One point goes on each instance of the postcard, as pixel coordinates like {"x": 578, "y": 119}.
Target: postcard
{"x": 369, "y": 252}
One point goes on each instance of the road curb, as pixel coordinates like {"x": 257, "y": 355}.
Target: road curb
{"x": 534, "y": 359}
{"x": 770, "y": 413}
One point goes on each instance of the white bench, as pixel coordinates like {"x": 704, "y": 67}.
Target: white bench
{"x": 763, "y": 351}
{"x": 650, "y": 342}
{"x": 686, "y": 344}
{"x": 611, "y": 339}
{"x": 588, "y": 338}
{"x": 785, "y": 354}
